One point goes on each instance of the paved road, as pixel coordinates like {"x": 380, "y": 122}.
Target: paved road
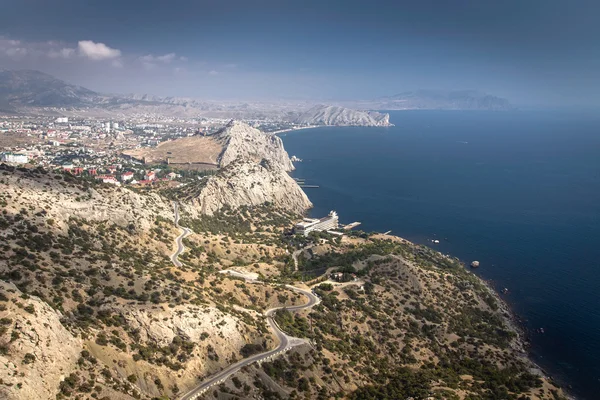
{"x": 179, "y": 241}
{"x": 285, "y": 343}
{"x": 296, "y": 253}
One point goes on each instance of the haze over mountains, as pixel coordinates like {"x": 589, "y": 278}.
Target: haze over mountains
{"x": 27, "y": 91}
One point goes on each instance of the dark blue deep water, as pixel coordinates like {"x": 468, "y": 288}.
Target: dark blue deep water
{"x": 518, "y": 191}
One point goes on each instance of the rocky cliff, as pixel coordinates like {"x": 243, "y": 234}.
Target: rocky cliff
{"x": 240, "y": 140}
{"x": 40, "y": 353}
{"x": 341, "y": 116}
{"x": 245, "y": 183}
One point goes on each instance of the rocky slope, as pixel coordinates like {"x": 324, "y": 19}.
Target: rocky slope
{"x": 240, "y": 141}
{"x": 341, "y": 116}
{"x": 66, "y": 197}
{"x": 245, "y": 183}
{"x": 41, "y": 351}
{"x": 89, "y": 299}
{"x": 98, "y": 310}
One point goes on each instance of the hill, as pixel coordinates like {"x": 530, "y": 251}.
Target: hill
{"x": 234, "y": 141}
{"x": 341, "y": 116}
{"x": 92, "y": 306}
{"x": 442, "y": 100}
{"x": 34, "y": 88}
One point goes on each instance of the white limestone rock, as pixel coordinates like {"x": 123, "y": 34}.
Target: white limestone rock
{"x": 245, "y": 183}
{"x": 240, "y": 140}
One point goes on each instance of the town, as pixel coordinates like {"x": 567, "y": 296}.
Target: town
{"x": 95, "y": 147}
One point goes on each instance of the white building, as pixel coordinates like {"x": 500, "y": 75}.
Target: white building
{"x": 324, "y": 224}
{"x": 62, "y": 120}
{"x": 115, "y": 125}
{"x": 14, "y": 158}
{"x": 127, "y": 176}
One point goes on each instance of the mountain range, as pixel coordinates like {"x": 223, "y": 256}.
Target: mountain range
{"x": 34, "y": 92}
{"x": 441, "y": 100}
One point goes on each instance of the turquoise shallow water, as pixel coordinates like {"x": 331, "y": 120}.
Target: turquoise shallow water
{"x": 518, "y": 191}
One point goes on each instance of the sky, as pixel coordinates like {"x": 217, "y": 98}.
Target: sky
{"x": 539, "y": 53}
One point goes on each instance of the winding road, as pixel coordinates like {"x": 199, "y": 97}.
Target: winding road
{"x": 179, "y": 241}
{"x": 285, "y": 342}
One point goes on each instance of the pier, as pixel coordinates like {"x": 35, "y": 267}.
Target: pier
{"x": 309, "y": 186}
{"x": 352, "y": 225}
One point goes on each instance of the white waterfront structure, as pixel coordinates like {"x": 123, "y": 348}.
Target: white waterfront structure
{"x": 309, "y": 225}
{"x": 14, "y": 158}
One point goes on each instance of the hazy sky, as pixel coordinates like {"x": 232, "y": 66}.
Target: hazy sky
{"x": 534, "y": 52}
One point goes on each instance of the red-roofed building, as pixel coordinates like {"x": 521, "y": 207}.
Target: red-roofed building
{"x": 127, "y": 176}
{"x": 150, "y": 176}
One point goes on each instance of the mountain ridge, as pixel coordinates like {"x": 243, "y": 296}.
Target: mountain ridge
{"x": 442, "y": 100}
{"x": 34, "y": 92}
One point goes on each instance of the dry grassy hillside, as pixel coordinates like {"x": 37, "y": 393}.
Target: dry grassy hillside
{"x": 195, "y": 149}
{"x": 91, "y": 306}
{"x": 94, "y": 262}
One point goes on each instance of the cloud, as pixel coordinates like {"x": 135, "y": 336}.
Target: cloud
{"x": 118, "y": 63}
{"x": 167, "y": 58}
{"x": 16, "y": 52}
{"x": 151, "y": 61}
{"x": 61, "y": 53}
{"x": 97, "y": 51}
{"x": 230, "y": 66}
{"x": 213, "y": 72}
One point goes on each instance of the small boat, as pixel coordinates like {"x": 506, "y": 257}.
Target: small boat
{"x": 504, "y": 291}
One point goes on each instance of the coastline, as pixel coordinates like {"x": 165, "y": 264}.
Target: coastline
{"x": 295, "y": 129}
{"x": 512, "y": 321}
{"x": 525, "y": 317}
{"x": 516, "y": 325}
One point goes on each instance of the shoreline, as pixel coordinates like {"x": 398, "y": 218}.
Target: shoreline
{"x": 295, "y": 129}
{"x": 511, "y": 319}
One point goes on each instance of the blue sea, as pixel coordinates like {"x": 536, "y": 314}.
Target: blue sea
{"x": 518, "y": 191}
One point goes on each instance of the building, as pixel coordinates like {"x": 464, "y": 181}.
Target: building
{"x": 127, "y": 176}
{"x": 62, "y": 120}
{"x": 150, "y": 176}
{"x": 108, "y": 179}
{"x": 14, "y": 158}
{"x": 309, "y": 225}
